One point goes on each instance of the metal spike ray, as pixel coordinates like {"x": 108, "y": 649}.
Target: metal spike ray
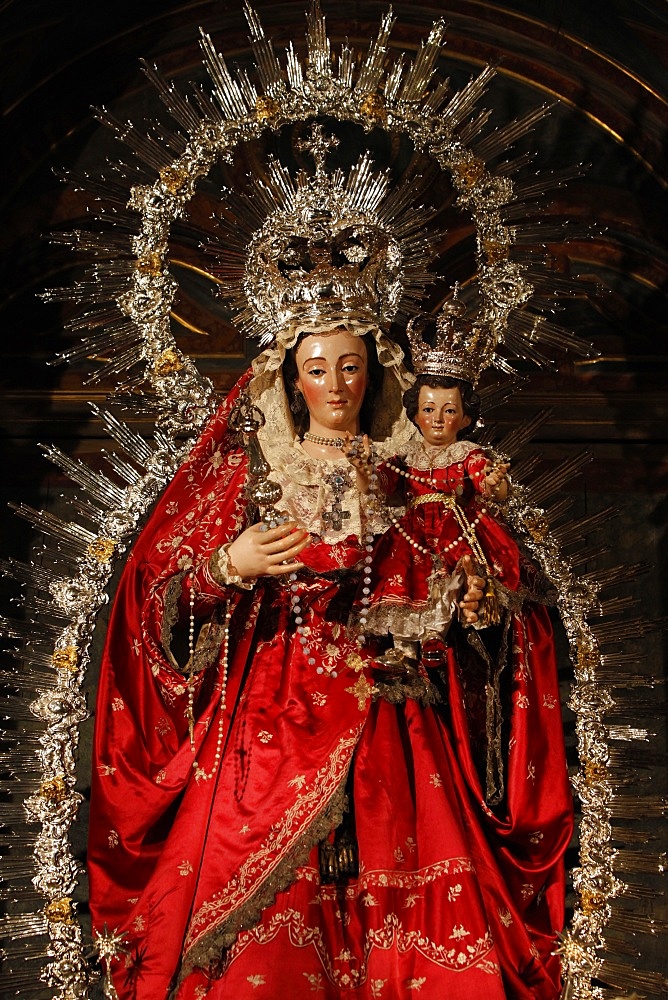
{"x": 154, "y": 154}
{"x": 516, "y": 439}
{"x": 227, "y": 92}
{"x": 501, "y": 139}
{"x": 418, "y": 78}
{"x": 179, "y": 107}
{"x": 30, "y": 574}
{"x": 371, "y": 71}
{"x": 71, "y": 538}
{"x": 133, "y": 444}
{"x": 96, "y": 484}
{"x": 319, "y": 67}
{"x": 552, "y": 480}
{"x": 268, "y": 66}
{"x": 463, "y": 103}
{"x": 615, "y": 576}
{"x": 578, "y": 530}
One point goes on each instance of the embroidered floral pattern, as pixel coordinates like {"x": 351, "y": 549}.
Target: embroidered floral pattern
{"x": 404, "y": 879}
{"x": 284, "y": 834}
{"x": 458, "y": 933}
{"x": 362, "y": 689}
{"x": 391, "y": 933}
{"x": 315, "y": 980}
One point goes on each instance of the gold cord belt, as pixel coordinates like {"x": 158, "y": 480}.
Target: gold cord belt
{"x": 446, "y": 498}
{"x": 468, "y": 529}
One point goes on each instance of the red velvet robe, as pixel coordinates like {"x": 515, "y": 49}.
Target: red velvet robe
{"x": 214, "y": 880}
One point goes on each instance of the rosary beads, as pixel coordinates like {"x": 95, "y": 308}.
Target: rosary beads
{"x": 201, "y": 775}
{"x": 339, "y": 481}
{"x": 468, "y": 534}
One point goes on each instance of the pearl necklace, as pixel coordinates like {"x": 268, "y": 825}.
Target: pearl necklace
{"x": 324, "y": 442}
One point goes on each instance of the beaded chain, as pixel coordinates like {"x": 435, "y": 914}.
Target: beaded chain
{"x": 355, "y": 450}
{"x": 201, "y": 775}
{"x": 468, "y": 527}
{"x": 295, "y": 597}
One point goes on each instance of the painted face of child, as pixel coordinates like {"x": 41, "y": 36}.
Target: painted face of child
{"x": 440, "y": 415}
{"x": 332, "y": 376}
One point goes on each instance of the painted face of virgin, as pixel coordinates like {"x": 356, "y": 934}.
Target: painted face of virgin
{"x": 440, "y": 415}
{"x": 332, "y": 377}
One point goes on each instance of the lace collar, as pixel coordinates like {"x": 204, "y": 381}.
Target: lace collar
{"x": 308, "y": 493}
{"x": 419, "y": 455}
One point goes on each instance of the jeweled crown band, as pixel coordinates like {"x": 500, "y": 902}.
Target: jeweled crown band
{"x": 460, "y": 350}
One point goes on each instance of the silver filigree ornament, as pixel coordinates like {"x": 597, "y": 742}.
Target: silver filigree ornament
{"x": 333, "y": 246}
{"x": 125, "y": 299}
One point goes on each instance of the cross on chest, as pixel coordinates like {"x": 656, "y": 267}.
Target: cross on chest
{"x": 336, "y": 515}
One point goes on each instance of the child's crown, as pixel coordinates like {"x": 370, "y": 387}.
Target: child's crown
{"x": 456, "y": 351}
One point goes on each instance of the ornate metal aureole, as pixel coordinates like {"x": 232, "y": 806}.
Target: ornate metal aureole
{"x": 126, "y": 297}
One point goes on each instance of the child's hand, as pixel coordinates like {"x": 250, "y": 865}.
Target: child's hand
{"x": 474, "y": 592}
{"x": 495, "y": 483}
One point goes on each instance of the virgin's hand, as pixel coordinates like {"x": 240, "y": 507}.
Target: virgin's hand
{"x": 268, "y": 553}
{"x": 359, "y": 453}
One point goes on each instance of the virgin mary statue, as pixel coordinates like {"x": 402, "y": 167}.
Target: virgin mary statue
{"x": 284, "y": 803}
{"x": 274, "y": 810}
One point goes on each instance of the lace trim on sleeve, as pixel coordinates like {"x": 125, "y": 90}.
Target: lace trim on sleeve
{"x": 223, "y": 572}
{"x": 170, "y": 616}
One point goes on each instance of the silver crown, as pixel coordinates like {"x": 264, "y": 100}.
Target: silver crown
{"x": 460, "y": 349}
{"x": 334, "y": 246}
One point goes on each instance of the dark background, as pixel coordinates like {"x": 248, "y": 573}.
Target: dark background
{"x": 604, "y": 61}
